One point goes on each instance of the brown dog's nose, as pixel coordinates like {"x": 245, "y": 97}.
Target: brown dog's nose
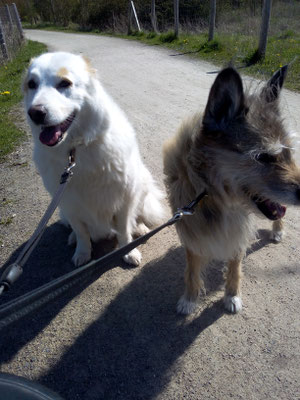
{"x": 37, "y": 114}
{"x": 298, "y": 193}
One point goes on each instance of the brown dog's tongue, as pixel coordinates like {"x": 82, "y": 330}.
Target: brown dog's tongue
{"x": 50, "y": 135}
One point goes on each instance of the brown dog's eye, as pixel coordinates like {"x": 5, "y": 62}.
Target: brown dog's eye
{"x": 32, "y": 84}
{"x": 266, "y": 158}
{"x": 64, "y": 84}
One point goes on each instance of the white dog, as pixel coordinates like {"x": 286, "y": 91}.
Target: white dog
{"x": 111, "y": 192}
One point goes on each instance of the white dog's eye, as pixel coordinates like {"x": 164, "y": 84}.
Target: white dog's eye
{"x": 64, "y": 83}
{"x": 31, "y": 84}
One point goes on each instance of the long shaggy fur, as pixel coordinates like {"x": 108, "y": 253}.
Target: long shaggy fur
{"x": 111, "y": 192}
{"x": 239, "y": 152}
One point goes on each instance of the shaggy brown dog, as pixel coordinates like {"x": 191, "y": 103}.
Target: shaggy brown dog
{"x": 239, "y": 153}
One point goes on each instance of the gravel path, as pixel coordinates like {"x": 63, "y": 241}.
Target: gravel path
{"x": 120, "y": 337}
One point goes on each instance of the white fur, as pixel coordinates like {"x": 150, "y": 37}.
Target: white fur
{"x": 233, "y": 304}
{"x": 111, "y": 191}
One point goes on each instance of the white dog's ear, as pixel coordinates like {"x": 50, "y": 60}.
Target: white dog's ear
{"x": 225, "y": 101}
{"x": 92, "y": 71}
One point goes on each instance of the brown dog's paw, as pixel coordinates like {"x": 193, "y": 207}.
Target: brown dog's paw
{"x": 185, "y": 306}
{"x": 276, "y": 236}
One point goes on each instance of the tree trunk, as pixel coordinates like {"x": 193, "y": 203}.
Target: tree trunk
{"x": 53, "y": 11}
{"x": 153, "y": 17}
{"x": 176, "y": 17}
{"x": 212, "y": 19}
{"x": 129, "y": 21}
{"x": 263, "y": 38}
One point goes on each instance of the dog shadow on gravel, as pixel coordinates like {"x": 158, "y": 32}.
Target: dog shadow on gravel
{"x": 50, "y": 260}
{"x": 129, "y": 351}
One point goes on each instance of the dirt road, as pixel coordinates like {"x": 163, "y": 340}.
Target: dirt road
{"x": 120, "y": 337}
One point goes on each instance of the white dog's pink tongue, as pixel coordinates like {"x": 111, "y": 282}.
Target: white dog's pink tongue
{"x": 50, "y": 135}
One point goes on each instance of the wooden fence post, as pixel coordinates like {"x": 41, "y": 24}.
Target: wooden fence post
{"x": 212, "y": 19}
{"x": 129, "y": 18}
{"x": 18, "y": 20}
{"x": 153, "y": 17}
{"x": 3, "y": 43}
{"x": 263, "y": 38}
{"x": 176, "y": 17}
{"x": 8, "y": 15}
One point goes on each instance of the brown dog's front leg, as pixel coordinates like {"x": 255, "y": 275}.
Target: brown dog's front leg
{"x": 277, "y": 231}
{"x": 194, "y": 284}
{"x": 232, "y": 299}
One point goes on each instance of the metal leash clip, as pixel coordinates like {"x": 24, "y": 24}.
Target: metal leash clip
{"x": 68, "y": 170}
{"x": 189, "y": 209}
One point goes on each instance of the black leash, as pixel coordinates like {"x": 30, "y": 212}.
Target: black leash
{"x": 17, "y": 308}
{"x": 15, "y": 270}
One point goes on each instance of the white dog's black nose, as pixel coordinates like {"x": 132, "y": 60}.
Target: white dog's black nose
{"x": 37, "y": 114}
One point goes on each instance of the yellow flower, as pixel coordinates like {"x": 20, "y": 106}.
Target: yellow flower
{"x": 6, "y": 92}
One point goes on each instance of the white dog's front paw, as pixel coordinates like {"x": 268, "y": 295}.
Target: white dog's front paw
{"x": 185, "y": 306}
{"x": 133, "y": 258}
{"x": 277, "y": 236}
{"x": 141, "y": 229}
{"x": 81, "y": 257}
{"x": 233, "y": 304}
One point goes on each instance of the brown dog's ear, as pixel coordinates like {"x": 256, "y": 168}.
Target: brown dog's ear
{"x": 225, "y": 101}
{"x": 272, "y": 90}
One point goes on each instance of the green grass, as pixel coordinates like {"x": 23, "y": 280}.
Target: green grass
{"x": 10, "y": 95}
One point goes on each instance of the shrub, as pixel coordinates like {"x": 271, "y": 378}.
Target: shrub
{"x": 211, "y": 46}
{"x": 168, "y": 37}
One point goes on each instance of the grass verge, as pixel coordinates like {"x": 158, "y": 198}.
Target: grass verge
{"x": 11, "y": 96}
{"x": 226, "y": 48}
{"x": 237, "y": 49}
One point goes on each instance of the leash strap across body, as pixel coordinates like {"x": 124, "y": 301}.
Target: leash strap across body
{"x": 23, "y": 305}
{"x": 13, "y": 271}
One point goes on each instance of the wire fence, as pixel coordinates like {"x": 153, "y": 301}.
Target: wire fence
{"x": 11, "y": 32}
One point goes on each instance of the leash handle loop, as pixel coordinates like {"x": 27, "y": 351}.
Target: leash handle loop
{"x": 9, "y": 276}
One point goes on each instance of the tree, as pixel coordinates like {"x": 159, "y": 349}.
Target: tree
{"x": 176, "y": 17}
{"x": 263, "y": 38}
{"x": 153, "y": 17}
{"x": 212, "y": 19}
